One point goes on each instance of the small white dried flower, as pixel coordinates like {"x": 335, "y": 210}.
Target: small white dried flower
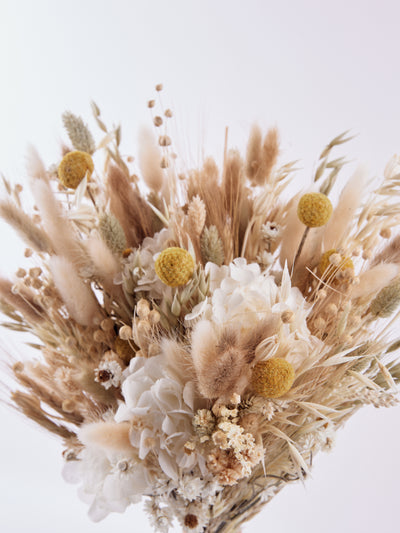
{"x": 109, "y": 374}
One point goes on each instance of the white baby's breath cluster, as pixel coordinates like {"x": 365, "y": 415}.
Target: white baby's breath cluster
{"x": 202, "y": 334}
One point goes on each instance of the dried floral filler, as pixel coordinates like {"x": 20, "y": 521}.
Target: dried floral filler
{"x": 200, "y": 334}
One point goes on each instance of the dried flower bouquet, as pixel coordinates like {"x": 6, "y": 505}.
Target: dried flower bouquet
{"x": 201, "y": 334}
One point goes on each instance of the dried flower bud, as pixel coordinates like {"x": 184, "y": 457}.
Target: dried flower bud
{"x": 143, "y": 308}
{"x": 159, "y": 87}
{"x": 314, "y": 209}
{"x": 174, "y": 266}
{"x": 158, "y": 121}
{"x": 125, "y": 333}
{"x": 151, "y": 103}
{"x": 168, "y": 113}
{"x": 74, "y": 167}
{"x": 154, "y": 317}
{"x": 332, "y": 259}
{"x": 272, "y": 378}
{"x": 385, "y": 233}
{"x": 164, "y": 140}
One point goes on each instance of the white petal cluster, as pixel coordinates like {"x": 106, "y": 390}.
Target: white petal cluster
{"x": 148, "y": 280}
{"x": 243, "y": 294}
{"x": 158, "y": 407}
{"x": 109, "y": 482}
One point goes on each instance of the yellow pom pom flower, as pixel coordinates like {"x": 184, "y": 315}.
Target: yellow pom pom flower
{"x": 73, "y": 168}
{"x": 272, "y": 378}
{"x": 314, "y": 209}
{"x": 325, "y": 263}
{"x": 174, "y": 266}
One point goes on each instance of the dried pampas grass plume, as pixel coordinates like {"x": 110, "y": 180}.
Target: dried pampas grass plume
{"x": 110, "y": 436}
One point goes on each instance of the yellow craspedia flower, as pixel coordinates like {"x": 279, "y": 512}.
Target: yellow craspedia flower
{"x": 325, "y": 262}
{"x": 174, "y": 266}
{"x": 314, "y": 209}
{"x": 272, "y": 378}
{"x": 73, "y": 168}
{"x": 124, "y": 350}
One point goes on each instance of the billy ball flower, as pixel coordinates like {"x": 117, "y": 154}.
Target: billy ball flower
{"x": 332, "y": 258}
{"x": 73, "y": 168}
{"x": 174, "y": 266}
{"x": 272, "y": 378}
{"x": 314, "y": 209}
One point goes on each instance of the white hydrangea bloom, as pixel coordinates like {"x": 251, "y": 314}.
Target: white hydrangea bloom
{"x": 159, "y": 409}
{"x": 242, "y": 294}
{"x": 109, "y": 482}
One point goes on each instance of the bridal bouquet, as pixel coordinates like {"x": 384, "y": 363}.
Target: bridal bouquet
{"x": 200, "y": 334}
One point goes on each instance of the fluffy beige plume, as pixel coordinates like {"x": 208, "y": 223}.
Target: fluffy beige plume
{"x": 343, "y": 215}
{"x": 196, "y": 216}
{"x": 30, "y": 406}
{"x": 77, "y": 296}
{"x": 106, "y": 267}
{"x": 390, "y": 254}
{"x": 261, "y": 156}
{"x": 270, "y": 152}
{"x": 222, "y": 360}
{"x": 34, "y": 236}
{"x": 110, "y": 436}
{"x": 374, "y": 280}
{"x": 178, "y": 360}
{"x": 132, "y": 212}
{"x": 34, "y": 165}
{"x": 254, "y": 155}
{"x": 150, "y": 160}
{"x": 58, "y": 227}
{"x": 22, "y": 300}
{"x": 292, "y": 234}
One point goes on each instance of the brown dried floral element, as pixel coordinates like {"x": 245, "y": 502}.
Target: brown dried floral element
{"x": 191, "y": 521}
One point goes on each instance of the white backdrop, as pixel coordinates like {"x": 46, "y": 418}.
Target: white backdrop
{"x": 314, "y": 69}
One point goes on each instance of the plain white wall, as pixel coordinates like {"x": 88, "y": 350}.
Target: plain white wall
{"x": 314, "y": 69}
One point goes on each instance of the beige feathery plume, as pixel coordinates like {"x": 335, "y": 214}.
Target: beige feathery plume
{"x": 212, "y": 248}
{"x": 221, "y": 369}
{"x": 22, "y": 300}
{"x": 132, "y": 212}
{"x": 343, "y": 215}
{"x": 178, "y": 360}
{"x": 150, "y": 160}
{"x": 374, "y": 280}
{"x": 222, "y": 359}
{"x": 29, "y": 405}
{"x": 270, "y": 152}
{"x": 112, "y": 233}
{"x": 34, "y": 236}
{"x": 77, "y": 296}
{"x": 110, "y": 436}
{"x": 105, "y": 265}
{"x": 292, "y": 234}
{"x": 34, "y": 165}
{"x": 78, "y": 133}
{"x": 58, "y": 227}
{"x": 196, "y": 216}
{"x": 390, "y": 254}
{"x": 254, "y": 155}
{"x": 387, "y": 300}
